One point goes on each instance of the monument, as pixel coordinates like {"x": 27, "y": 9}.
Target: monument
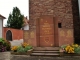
{"x": 51, "y": 23}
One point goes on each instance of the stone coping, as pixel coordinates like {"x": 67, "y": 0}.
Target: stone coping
{"x": 23, "y": 53}
{"x": 69, "y": 54}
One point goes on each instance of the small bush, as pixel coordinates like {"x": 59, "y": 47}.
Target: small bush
{"x": 14, "y": 48}
{"x": 23, "y": 48}
{"x": 4, "y": 45}
{"x": 73, "y": 48}
{"x": 27, "y": 48}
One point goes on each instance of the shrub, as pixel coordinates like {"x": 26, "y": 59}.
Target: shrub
{"x": 2, "y": 40}
{"x": 4, "y": 45}
{"x": 14, "y": 48}
{"x": 23, "y": 48}
{"x": 73, "y": 48}
{"x": 8, "y": 45}
{"x": 28, "y": 48}
{"x": 25, "y": 44}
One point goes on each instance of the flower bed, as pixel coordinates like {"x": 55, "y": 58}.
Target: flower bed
{"x": 73, "y": 49}
{"x": 24, "y": 49}
{"x": 4, "y": 45}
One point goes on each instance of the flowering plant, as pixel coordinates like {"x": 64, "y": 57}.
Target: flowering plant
{"x": 73, "y": 48}
{"x": 14, "y": 48}
{"x": 4, "y": 45}
{"x": 25, "y": 44}
{"x": 23, "y": 48}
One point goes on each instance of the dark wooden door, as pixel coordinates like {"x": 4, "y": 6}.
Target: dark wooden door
{"x": 46, "y": 31}
{"x": 9, "y": 35}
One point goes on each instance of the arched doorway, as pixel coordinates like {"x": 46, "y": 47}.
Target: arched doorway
{"x": 9, "y": 35}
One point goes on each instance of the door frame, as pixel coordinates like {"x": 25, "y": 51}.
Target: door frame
{"x": 56, "y": 40}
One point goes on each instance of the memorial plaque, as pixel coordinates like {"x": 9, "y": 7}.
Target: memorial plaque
{"x": 46, "y": 31}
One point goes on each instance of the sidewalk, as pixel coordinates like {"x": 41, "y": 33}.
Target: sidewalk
{"x": 5, "y": 55}
{"x": 8, "y": 56}
{"x": 18, "y": 57}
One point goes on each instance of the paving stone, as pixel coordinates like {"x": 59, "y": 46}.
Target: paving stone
{"x": 4, "y": 55}
{"x": 8, "y": 56}
{"x": 43, "y": 58}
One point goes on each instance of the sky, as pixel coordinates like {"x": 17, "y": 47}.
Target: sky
{"x": 79, "y": 6}
{"x": 6, "y": 6}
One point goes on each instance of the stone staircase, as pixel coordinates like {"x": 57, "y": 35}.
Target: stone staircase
{"x": 45, "y": 51}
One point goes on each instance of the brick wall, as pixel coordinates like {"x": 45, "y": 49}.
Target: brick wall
{"x": 65, "y": 10}
{"x": 38, "y": 8}
{"x": 16, "y": 34}
{"x": 65, "y": 36}
{"x": 61, "y": 9}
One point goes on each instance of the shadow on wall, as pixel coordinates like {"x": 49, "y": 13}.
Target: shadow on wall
{"x": 76, "y": 21}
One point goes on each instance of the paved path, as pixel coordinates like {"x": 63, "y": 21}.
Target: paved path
{"x": 8, "y": 56}
{"x": 44, "y": 58}
{"x": 5, "y": 55}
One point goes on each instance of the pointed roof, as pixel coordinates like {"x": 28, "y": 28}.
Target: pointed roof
{"x": 2, "y": 17}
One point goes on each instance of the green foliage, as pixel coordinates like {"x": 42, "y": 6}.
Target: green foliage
{"x": 15, "y": 19}
{"x": 2, "y": 40}
{"x": 8, "y": 45}
{"x": 77, "y": 49}
{"x": 4, "y": 45}
{"x": 27, "y": 48}
{"x": 71, "y": 48}
{"x": 21, "y": 49}
{"x": 63, "y": 46}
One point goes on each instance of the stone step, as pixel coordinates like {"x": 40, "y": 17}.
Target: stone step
{"x": 46, "y": 48}
{"x": 45, "y": 51}
{"x": 45, "y": 54}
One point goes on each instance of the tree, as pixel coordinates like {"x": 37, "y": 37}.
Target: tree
{"x": 15, "y": 19}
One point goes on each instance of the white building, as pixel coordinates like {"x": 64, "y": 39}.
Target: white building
{"x": 1, "y": 25}
{"x": 26, "y": 24}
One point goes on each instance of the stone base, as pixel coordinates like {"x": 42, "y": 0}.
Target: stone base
{"x": 69, "y": 54}
{"x": 23, "y": 53}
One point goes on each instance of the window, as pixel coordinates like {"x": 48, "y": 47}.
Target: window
{"x": 59, "y": 25}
